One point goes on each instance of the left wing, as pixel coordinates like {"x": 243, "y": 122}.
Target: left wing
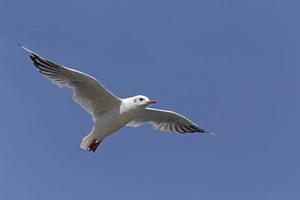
{"x": 165, "y": 120}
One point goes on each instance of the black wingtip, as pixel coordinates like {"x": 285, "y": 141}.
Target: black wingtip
{"x": 32, "y": 57}
{"x": 201, "y": 130}
{"x": 209, "y": 133}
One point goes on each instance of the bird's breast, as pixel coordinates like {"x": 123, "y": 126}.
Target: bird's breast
{"x": 111, "y": 122}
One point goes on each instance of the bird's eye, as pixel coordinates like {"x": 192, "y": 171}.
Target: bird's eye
{"x": 141, "y": 99}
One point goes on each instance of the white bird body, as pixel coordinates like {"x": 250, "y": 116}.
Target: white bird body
{"x": 109, "y": 112}
{"x": 113, "y": 120}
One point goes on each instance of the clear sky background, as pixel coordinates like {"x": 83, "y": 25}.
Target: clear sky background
{"x": 231, "y": 66}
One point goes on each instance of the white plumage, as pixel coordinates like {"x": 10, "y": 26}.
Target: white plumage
{"x": 109, "y": 112}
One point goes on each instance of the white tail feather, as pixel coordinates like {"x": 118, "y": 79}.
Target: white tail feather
{"x": 86, "y": 141}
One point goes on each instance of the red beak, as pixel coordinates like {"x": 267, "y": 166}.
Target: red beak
{"x": 151, "y": 101}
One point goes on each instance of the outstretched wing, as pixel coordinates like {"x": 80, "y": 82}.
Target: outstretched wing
{"x": 165, "y": 120}
{"x": 88, "y": 92}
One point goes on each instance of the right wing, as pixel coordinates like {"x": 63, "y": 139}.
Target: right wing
{"x": 88, "y": 92}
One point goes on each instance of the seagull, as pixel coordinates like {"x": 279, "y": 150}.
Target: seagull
{"x": 109, "y": 112}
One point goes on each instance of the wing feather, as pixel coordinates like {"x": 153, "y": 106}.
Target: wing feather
{"x": 87, "y": 91}
{"x": 165, "y": 120}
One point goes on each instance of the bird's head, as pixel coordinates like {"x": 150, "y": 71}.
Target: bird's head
{"x": 142, "y": 101}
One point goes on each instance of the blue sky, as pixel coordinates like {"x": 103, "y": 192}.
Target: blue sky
{"x": 231, "y": 66}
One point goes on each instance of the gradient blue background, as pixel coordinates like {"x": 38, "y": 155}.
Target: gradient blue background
{"x": 231, "y": 66}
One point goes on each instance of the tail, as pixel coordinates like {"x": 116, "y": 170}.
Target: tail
{"x": 87, "y": 141}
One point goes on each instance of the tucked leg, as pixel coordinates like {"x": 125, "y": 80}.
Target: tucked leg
{"x": 93, "y": 146}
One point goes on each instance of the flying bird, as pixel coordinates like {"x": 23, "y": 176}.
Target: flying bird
{"x": 109, "y": 112}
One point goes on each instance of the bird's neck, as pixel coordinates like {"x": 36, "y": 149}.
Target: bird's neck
{"x": 128, "y": 106}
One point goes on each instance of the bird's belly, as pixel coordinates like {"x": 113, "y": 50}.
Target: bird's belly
{"x": 107, "y": 125}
